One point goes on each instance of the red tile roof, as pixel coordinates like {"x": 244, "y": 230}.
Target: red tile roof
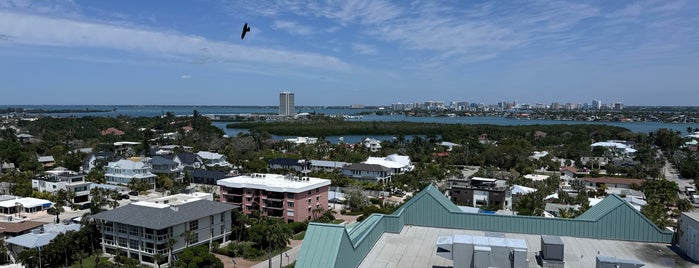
{"x": 112, "y": 131}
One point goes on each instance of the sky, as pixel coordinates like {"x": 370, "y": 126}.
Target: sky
{"x": 370, "y": 52}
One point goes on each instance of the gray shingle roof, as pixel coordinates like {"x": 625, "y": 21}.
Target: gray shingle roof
{"x": 159, "y": 218}
{"x": 366, "y": 167}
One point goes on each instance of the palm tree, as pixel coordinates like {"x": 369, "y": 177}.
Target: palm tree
{"x": 158, "y": 259}
{"x": 170, "y": 243}
{"x": 188, "y": 237}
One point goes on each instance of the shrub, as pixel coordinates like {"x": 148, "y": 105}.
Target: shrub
{"x": 297, "y": 226}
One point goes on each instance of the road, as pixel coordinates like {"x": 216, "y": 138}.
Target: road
{"x": 673, "y": 175}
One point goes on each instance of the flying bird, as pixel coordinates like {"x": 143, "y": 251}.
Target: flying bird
{"x": 245, "y": 30}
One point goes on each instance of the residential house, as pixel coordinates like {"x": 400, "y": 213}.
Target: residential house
{"x": 111, "y": 131}
{"x": 536, "y": 177}
{"x": 6, "y": 167}
{"x": 449, "y": 145}
{"x": 568, "y": 172}
{"x": 399, "y": 164}
{"x": 478, "y": 191}
{"x": 97, "y": 159}
{"x": 369, "y": 172}
{"x": 122, "y": 147}
{"x": 327, "y": 166}
{"x": 371, "y": 144}
{"x": 19, "y": 206}
{"x": 512, "y": 195}
{"x": 167, "y": 166}
{"x": 46, "y": 161}
{"x": 62, "y": 179}
{"x": 594, "y": 161}
{"x": 288, "y": 164}
{"x": 286, "y": 197}
{"x": 38, "y": 238}
{"x": 15, "y": 227}
{"x": 208, "y": 177}
{"x": 617, "y": 148}
{"x": 211, "y": 159}
{"x": 142, "y": 229}
{"x": 613, "y": 182}
{"x": 188, "y": 160}
{"x": 123, "y": 171}
{"x": 302, "y": 140}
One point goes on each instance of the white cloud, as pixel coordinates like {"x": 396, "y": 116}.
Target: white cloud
{"x": 35, "y": 30}
{"x": 186, "y": 76}
{"x": 364, "y": 49}
{"x": 292, "y": 27}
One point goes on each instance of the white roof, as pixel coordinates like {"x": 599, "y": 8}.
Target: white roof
{"x": 27, "y": 202}
{"x": 594, "y": 201}
{"x": 449, "y": 144}
{"x": 518, "y": 189}
{"x": 274, "y": 183}
{"x": 335, "y": 196}
{"x": 483, "y": 179}
{"x": 537, "y": 154}
{"x": 127, "y": 164}
{"x": 35, "y": 240}
{"x": 614, "y": 144}
{"x": 536, "y": 177}
{"x": 209, "y": 155}
{"x": 48, "y": 158}
{"x": 120, "y": 143}
{"x": 391, "y": 161}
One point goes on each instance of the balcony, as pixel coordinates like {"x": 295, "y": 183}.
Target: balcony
{"x": 275, "y": 196}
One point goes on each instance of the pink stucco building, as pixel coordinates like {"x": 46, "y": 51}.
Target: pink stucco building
{"x": 286, "y": 197}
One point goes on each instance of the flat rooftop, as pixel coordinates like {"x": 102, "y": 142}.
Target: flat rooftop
{"x": 274, "y": 182}
{"x": 415, "y": 246}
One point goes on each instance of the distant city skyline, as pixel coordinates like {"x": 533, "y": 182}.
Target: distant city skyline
{"x": 339, "y": 53}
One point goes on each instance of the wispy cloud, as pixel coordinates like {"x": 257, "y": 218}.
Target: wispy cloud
{"x": 186, "y": 76}
{"x": 292, "y": 27}
{"x": 364, "y": 49}
{"x": 49, "y": 31}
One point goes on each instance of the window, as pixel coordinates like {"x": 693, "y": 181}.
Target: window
{"x": 309, "y": 192}
{"x": 317, "y": 190}
{"x": 290, "y": 204}
{"x": 317, "y": 198}
{"x": 309, "y": 200}
{"x": 309, "y": 209}
{"x": 248, "y": 199}
{"x": 290, "y": 195}
{"x": 194, "y": 225}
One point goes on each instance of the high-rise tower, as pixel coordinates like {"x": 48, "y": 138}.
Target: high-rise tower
{"x": 286, "y": 103}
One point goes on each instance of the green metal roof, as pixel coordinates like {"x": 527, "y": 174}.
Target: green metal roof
{"x": 327, "y": 245}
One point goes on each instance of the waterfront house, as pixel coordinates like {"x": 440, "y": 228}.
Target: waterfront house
{"x": 371, "y": 144}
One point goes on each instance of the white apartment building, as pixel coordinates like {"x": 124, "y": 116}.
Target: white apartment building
{"x": 123, "y": 171}
{"x": 62, "y": 179}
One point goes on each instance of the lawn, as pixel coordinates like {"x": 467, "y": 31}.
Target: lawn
{"x": 89, "y": 262}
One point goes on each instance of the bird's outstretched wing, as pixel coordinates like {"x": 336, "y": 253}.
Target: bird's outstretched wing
{"x": 245, "y": 30}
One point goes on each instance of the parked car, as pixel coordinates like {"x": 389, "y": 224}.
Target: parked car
{"x": 85, "y": 206}
{"x": 124, "y": 196}
{"x": 134, "y": 193}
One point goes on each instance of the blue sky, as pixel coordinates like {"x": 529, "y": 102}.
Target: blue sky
{"x": 370, "y": 52}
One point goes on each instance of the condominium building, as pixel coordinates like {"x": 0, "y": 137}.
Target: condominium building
{"x": 286, "y": 197}
{"x": 140, "y": 230}
{"x": 286, "y": 103}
